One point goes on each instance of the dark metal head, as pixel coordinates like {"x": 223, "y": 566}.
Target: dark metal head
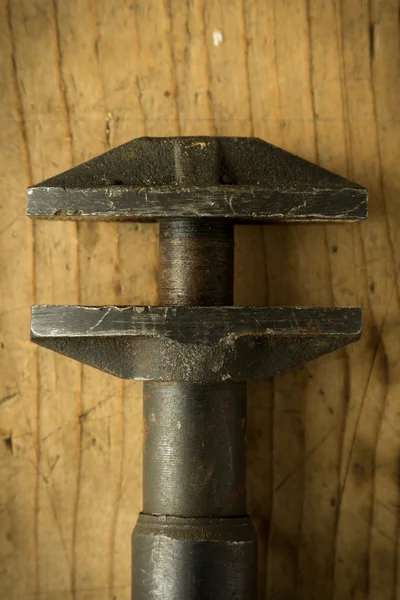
{"x": 198, "y": 344}
{"x": 197, "y": 187}
{"x": 240, "y": 179}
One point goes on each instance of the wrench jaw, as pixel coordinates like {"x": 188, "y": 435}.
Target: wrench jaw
{"x": 198, "y": 344}
{"x": 196, "y": 351}
{"x": 239, "y": 179}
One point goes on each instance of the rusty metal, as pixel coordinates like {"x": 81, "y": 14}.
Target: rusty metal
{"x": 195, "y": 352}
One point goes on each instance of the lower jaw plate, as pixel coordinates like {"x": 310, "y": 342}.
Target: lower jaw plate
{"x": 197, "y": 344}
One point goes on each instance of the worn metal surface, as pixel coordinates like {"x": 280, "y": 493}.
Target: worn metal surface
{"x": 196, "y": 262}
{"x": 194, "y": 449}
{"x": 194, "y": 541}
{"x": 199, "y": 344}
{"x": 241, "y": 179}
{"x": 193, "y": 559}
{"x": 194, "y": 460}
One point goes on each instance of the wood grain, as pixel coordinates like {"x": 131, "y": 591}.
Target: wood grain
{"x": 321, "y": 78}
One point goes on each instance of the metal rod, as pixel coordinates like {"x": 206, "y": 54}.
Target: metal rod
{"x": 193, "y": 540}
{"x": 196, "y": 262}
{"x": 193, "y": 559}
{"x": 194, "y": 449}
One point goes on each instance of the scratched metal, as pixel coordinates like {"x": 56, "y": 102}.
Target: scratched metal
{"x": 194, "y": 452}
{"x": 241, "y": 179}
{"x": 199, "y": 344}
{"x": 193, "y": 559}
{"x": 187, "y": 249}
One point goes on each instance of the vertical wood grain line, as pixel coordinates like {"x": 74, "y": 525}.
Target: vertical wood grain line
{"x": 343, "y": 87}
{"x": 79, "y": 407}
{"x": 344, "y": 350}
{"x": 317, "y": 159}
{"x": 310, "y": 82}
{"x": 24, "y": 138}
{"x": 377, "y": 351}
{"x": 167, "y": 5}
{"x": 208, "y": 70}
{"x": 378, "y": 329}
{"x": 350, "y": 170}
{"x": 61, "y": 80}
{"x": 347, "y": 142}
{"x": 276, "y": 67}
{"x": 339, "y": 24}
{"x": 246, "y": 65}
{"x": 108, "y": 117}
{"x": 379, "y": 157}
{"x": 136, "y": 44}
{"x": 380, "y": 343}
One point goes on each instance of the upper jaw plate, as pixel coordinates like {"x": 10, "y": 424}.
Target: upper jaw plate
{"x": 241, "y": 179}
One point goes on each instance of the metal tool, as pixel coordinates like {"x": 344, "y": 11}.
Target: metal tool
{"x": 196, "y": 351}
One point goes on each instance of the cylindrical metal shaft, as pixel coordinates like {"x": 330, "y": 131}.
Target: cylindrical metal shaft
{"x": 193, "y": 540}
{"x": 196, "y": 262}
{"x": 194, "y": 449}
{"x": 194, "y": 559}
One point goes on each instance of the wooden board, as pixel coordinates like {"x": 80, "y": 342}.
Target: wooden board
{"x": 320, "y": 78}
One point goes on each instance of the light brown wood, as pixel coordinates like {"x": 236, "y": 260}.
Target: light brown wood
{"x": 321, "y": 78}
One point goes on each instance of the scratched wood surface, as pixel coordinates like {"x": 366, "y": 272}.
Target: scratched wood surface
{"x": 319, "y": 78}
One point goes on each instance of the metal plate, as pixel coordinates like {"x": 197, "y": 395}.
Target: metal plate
{"x": 204, "y": 344}
{"x": 242, "y": 179}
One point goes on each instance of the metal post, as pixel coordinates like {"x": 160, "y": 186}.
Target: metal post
{"x": 193, "y": 540}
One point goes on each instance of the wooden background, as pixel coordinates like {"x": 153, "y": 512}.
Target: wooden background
{"x": 319, "y": 78}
